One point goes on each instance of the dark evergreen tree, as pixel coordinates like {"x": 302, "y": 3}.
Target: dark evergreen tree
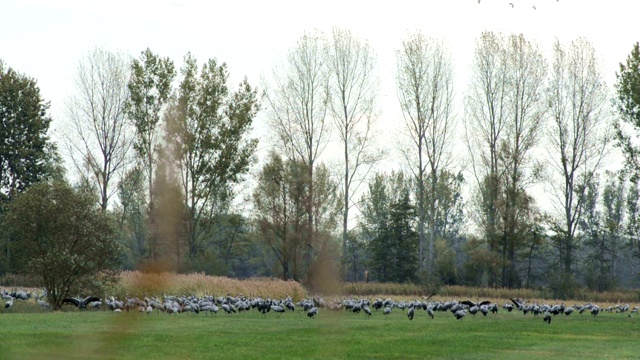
{"x": 403, "y": 240}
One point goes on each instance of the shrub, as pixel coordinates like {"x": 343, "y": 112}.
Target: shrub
{"x": 64, "y": 237}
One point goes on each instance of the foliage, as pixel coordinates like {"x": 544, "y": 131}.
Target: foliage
{"x": 445, "y": 266}
{"x": 21, "y": 280}
{"x": 449, "y": 219}
{"x": 627, "y": 101}
{"x": 168, "y": 242}
{"x": 27, "y": 154}
{"x": 64, "y": 239}
{"x": 602, "y": 227}
{"x": 356, "y": 257}
{"x": 233, "y": 250}
{"x": 207, "y": 129}
{"x": 482, "y": 263}
{"x": 632, "y": 230}
{"x": 281, "y": 202}
{"x": 149, "y": 91}
{"x": 388, "y": 226}
{"x": 132, "y": 214}
{"x": 298, "y": 104}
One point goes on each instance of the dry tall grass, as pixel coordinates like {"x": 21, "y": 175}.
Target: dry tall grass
{"x": 136, "y": 283}
{"x": 390, "y": 289}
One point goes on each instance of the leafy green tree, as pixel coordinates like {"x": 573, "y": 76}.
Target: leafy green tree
{"x": 388, "y": 221}
{"x": 632, "y": 231}
{"x": 613, "y": 201}
{"x": 27, "y": 154}
{"x": 207, "y": 132}
{"x": 449, "y": 215}
{"x": 356, "y": 257}
{"x": 132, "y": 213}
{"x": 627, "y": 91}
{"x": 149, "y": 91}
{"x": 375, "y": 226}
{"x": 445, "y": 266}
{"x": 233, "y": 243}
{"x": 66, "y": 240}
{"x": 279, "y": 200}
{"x": 597, "y": 266}
{"x": 449, "y": 221}
{"x": 168, "y": 243}
{"x": 602, "y": 229}
{"x": 403, "y": 240}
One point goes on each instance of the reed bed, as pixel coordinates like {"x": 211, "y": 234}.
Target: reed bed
{"x": 140, "y": 284}
{"x": 136, "y": 283}
{"x": 457, "y": 291}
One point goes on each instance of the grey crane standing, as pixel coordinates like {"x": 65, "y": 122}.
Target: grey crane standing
{"x": 312, "y": 312}
{"x": 410, "y": 313}
{"x": 9, "y": 304}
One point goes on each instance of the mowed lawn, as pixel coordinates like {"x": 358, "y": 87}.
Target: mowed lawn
{"x": 332, "y": 335}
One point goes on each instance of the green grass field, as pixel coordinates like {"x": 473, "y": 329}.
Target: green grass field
{"x": 332, "y": 335}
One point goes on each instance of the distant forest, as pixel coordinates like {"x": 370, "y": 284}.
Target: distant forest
{"x": 165, "y": 169}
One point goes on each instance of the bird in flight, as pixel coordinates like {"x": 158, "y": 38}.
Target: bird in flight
{"x": 511, "y": 5}
{"x": 534, "y": 7}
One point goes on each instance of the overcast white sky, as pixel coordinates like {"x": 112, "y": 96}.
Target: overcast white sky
{"x": 46, "y": 39}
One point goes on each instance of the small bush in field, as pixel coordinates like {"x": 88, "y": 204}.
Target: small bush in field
{"x": 64, "y": 238}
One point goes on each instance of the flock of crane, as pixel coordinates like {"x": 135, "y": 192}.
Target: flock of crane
{"x": 230, "y": 305}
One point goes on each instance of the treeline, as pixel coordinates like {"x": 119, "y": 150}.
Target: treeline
{"x": 168, "y": 157}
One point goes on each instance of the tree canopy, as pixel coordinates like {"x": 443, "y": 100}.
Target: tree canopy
{"x": 65, "y": 239}
{"x": 26, "y": 151}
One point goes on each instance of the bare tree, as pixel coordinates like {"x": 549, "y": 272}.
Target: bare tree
{"x": 526, "y": 74}
{"x": 487, "y": 113}
{"x": 99, "y": 137}
{"x": 425, "y": 90}
{"x": 353, "y": 92}
{"x": 579, "y": 137}
{"x": 298, "y": 104}
{"x": 506, "y": 107}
